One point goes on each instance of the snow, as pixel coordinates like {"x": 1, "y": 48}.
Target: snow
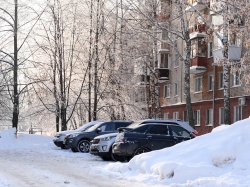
{"x": 218, "y": 159}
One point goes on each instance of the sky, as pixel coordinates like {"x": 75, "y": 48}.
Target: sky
{"x": 218, "y": 159}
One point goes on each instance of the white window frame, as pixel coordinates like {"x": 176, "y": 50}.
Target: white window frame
{"x": 210, "y": 82}
{"x": 221, "y": 82}
{"x": 210, "y": 50}
{"x": 176, "y": 89}
{"x": 166, "y": 92}
{"x": 237, "y": 113}
{"x": 176, "y": 115}
{"x": 209, "y": 117}
{"x": 221, "y": 115}
{"x": 198, "y": 84}
{"x": 166, "y": 115}
{"x": 235, "y": 79}
{"x": 197, "y": 116}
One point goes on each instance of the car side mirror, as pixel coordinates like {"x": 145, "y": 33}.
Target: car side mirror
{"x": 98, "y": 130}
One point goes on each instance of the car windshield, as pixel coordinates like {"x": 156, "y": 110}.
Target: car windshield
{"x": 86, "y": 126}
{"x": 92, "y": 128}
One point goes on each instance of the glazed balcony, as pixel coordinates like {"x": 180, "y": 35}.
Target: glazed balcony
{"x": 198, "y": 65}
{"x": 163, "y": 73}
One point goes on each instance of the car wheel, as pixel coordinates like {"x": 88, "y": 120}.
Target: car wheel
{"x": 141, "y": 150}
{"x": 83, "y": 146}
{"x": 117, "y": 158}
{"x": 74, "y": 150}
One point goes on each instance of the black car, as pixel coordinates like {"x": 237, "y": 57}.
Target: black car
{"x": 80, "y": 142}
{"x": 149, "y": 137}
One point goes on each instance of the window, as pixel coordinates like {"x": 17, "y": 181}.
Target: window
{"x": 198, "y": 84}
{"x": 185, "y": 116}
{"x": 210, "y": 82}
{"x": 166, "y": 115}
{"x": 141, "y": 129}
{"x": 176, "y": 89}
{"x": 210, "y": 49}
{"x": 110, "y": 126}
{"x": 175, "y": 115}
{"x": 197, "y": 117}
{"x": 209, "y": 117}
{"x": 237, "y": 113}
{"x": 221, "y": 80}
{"x": 164, "y": 60}
{"x": 166, "y": 90}
{"x": 198, "y": 47}
{"x": 221, "y": 115}
{"x": 179, "y": 131}
{"x": 158, "y": 129}
{"x": 235, "y": 79}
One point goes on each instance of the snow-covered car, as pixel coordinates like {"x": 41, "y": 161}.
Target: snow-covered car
{"x": 60, "y": 136}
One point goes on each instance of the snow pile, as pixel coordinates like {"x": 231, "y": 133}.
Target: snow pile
{"x": 223, "y": 153}
{"x": 8, "y": 140}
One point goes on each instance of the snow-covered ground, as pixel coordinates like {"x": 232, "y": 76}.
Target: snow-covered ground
{"x": 217, "y": 159}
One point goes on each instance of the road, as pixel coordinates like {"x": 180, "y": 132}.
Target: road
{"x": 49, "y": 168}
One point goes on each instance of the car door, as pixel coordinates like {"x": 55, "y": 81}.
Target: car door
{"x": 179, "y": 133}
{"x": 158, "y": 137}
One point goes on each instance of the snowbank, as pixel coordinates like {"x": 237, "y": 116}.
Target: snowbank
{"x": 223, "y": 154}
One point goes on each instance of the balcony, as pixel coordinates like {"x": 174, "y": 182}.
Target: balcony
{"x": 197, "y": 4}
{"x": 198, "y": 30}
{"x": 163, "y": 74}
{"x": 234, "y": 53}
{"x": 198, "y": 65}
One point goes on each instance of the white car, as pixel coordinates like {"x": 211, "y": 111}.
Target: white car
{"x": 60, "y": 136}
{"x": 102, "y": 146}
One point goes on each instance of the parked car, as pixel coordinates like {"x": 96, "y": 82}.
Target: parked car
{"x": 102, "y": 145}
{"x": 80, "y": 142}
{"x": 60, "y": 136}
{"x": 148, "y": 137}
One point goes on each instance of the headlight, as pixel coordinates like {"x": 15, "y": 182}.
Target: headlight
{"x": 73, "y": 135}
{"x": 107, "y": 138}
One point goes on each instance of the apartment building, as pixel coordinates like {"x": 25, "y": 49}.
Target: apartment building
{"x": 206, "y": 75}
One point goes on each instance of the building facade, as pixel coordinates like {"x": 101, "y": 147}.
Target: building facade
{"x": 206, "y": 75}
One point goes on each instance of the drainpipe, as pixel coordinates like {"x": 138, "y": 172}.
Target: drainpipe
{"x": 214, "y": 67}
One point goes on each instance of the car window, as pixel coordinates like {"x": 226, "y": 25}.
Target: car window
{"x": 109, "y": 126}
{"x": 141, "y": 129}
{"x": 121, "y": 124}
{"x": 158, "y": 129}
{"x": 179, "y": 131}
{"x": 94, "y": 127}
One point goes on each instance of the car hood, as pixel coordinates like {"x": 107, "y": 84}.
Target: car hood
{"x": 106, "y": 135}
{"x": 67, "y": 132}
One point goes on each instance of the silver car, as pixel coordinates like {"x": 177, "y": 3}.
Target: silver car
{"x": 60, "y": 136}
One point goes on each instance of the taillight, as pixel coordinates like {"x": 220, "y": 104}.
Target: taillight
{"x": 195, "y": 133}
{"x": 124, "y": 140}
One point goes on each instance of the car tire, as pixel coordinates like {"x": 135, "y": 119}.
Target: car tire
{"x": 117, "y": 158}
{"x": 105, "y": 158}
{"x": 83, "y": 146}
{"x": 141, "y": 150}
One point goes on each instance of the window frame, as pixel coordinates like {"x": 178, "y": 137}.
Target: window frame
{"x": 166, "y": 91}
{"x": 238, "y": 113}
{"x": 176, "y": 114}
{"x": 198, "y": 84}
{"x": 209, "y": 117}
{"x": 221, "y": 115}
{"x": 197, "y": 117}
{"x": 210, "y": 82}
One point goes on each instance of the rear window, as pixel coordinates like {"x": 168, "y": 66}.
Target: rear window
{"x": 141, "y": 129}
{"x": 158, "y": 129}
{"x": 179, "y": 131}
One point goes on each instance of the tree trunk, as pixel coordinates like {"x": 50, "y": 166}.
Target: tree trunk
{"x": 16, "y": 94}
